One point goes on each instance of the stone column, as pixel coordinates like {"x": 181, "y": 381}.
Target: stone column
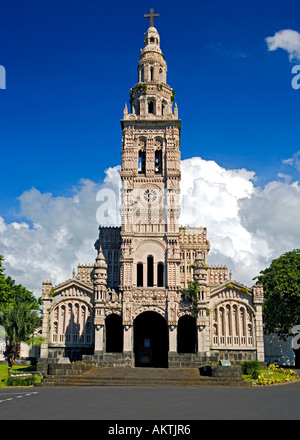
{"x": 47, "y": 300}
{"x": 201, "y": 338}
{"x": 259, "y": 334}
{"x": 172, "y": 321}
{"x": 173, "y": 338}
{"x": 145, "y": 274}
{"x": 99, "y": 324}
{"x": 154, "y": 273}
{"x": 203, "y": 335}
{"x": 127, "y": 323}
{"x": 99, "y": 338}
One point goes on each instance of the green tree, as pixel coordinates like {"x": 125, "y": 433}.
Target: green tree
{"x": 19, "y": 321}
{"x": 281, "y": 283}
{"x": 18, "y": 315}
{"x": 4, "y": 287}
{"x": 20, "y": 293}
{"x": 10, "y": 291}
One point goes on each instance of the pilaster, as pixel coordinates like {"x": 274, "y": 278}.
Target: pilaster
{"x": 99, "y": 337}
{"x": 258, "y": 298}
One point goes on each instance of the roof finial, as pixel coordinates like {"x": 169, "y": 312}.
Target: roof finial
{"x": 151, "y": 15}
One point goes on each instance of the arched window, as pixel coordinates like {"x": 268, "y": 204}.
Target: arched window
{"x": 150, "y": 271}
{"x": 160, "y": 274}
{"x": 139, "y": 275}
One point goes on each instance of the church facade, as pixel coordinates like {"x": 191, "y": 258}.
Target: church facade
{"x": 151, "y": 299}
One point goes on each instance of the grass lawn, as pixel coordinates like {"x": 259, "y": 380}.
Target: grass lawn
{"x": 19, "y": 369}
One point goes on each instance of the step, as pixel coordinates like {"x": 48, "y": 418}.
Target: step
{"x": 138, "y": 383}
{"x": 105, "y": 376}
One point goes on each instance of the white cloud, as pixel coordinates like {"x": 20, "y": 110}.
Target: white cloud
{"x": 273, "y": 213}
{"x": 60, "y": 233}
{"x": 210, "y": 196}
{"x": 286, "y": 39}
{"x": 293, "y": 161}
{"x": 247, "y": 226}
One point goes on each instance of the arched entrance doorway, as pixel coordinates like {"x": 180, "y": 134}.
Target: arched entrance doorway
{"x": 186, "y": 334}
{"x": 151, "y": 341}
{"x": 114, "y": 334}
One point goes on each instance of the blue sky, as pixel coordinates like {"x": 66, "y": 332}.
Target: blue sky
{"x": 70, "y": 66}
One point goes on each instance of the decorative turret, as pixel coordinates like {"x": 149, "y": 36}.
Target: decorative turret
{"x": 200, "y": 271}
{"x": 99, "y": 276}
{"x": 201, "y": 277}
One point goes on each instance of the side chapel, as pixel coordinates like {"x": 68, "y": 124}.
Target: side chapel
{"x": 130, "y": 307}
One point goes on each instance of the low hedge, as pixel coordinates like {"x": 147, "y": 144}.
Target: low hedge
{"x": 17, "y": 381}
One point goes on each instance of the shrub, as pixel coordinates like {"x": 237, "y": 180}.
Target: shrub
{"x": 273, "y": 374}
{"x": 251, "y": 368}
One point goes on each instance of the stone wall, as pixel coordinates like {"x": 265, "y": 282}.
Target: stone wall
{"x": 221, "y": 371}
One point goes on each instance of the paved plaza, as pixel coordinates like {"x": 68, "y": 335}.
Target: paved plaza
{"x": 279, "y": 402}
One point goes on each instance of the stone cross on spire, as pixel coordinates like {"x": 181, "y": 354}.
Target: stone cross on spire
{"x": 151, "y": 15}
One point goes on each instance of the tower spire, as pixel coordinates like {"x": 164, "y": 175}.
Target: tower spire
{"x": 151, "y": 97}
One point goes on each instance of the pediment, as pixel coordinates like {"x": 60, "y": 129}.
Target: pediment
{"x": 73, "y": 288}
{"x": 231, "y": 289}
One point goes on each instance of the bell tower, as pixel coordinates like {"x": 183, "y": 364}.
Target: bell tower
{"x": 150, "y": 174}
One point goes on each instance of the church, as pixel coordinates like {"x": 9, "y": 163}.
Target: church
{"x": 151, "y": 299}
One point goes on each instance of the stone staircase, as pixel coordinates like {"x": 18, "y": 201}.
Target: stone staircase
{"x": 128, "y": 376}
